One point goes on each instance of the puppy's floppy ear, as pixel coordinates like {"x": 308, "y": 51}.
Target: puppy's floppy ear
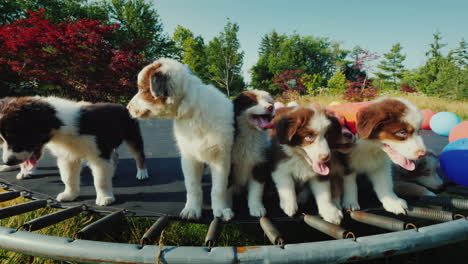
{"x": 368, "y": 119}
{"x": 286, "y": 128}
{"x": 160, "y": 85}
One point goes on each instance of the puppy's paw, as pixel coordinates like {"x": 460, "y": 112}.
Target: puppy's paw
{"x": 191, "y": 212}
{"x": 289, "y": 207}
{"x": 66, "y": 196}
{"x": 142, "y": 174}
{"x": 257, "y": 210}
{"x": 395, "y": 205}
{"x": 5, "y": 168}
{"x": 331, "y": 214}
{"x": 226, "y": 214}
{"x": 105, "y": 200}
{"x": 350, "y": 204}
{"x": 23, "y": 175}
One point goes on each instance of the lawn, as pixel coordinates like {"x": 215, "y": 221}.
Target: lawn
{"x": 184, "y": 234}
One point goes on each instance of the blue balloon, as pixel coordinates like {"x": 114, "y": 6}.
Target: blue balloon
{"x": 454, "y": 161}
{"x": 443, "y": 122}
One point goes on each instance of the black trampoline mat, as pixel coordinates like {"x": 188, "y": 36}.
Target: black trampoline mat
{"x": 162, "y": 194}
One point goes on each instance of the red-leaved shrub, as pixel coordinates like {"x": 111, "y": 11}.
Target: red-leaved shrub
{"x": 79, "y": 57}
{"x": 360, "y": 90}
{"x": 408, "y": 89}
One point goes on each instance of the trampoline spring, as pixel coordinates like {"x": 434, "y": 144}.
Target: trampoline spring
{"x": 7, "y": 196}
{"x": 22, "y": 208}
{"x": 330, "y": 229}
{"x": 432, "y": 214}
{"x": 446, "y": 201}
{"x": 154, "y": 231}
{"x": 50, "y": 219}
{"x": 93, "y": 230}
{"x": 383, "y": 222}
{"x": 213, "y": 233}
{"x": 271, "y": 232}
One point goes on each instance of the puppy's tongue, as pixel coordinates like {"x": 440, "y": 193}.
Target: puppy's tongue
{"x": 399, "y": 159}
{"x": 318, "y": 167}
{"x": 31, "y": 162}
{"x": 262, "y": 122}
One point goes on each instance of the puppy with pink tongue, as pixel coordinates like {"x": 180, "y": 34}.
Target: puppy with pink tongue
{"x": 301, "y": 157}
{"x": 388, "y": 130}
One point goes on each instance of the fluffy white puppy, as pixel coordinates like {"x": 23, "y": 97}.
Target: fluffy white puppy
{"x": 203, "y": 127}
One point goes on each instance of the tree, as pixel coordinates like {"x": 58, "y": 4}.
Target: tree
{"x": 279, "y": 53}
{"x": 436, "y": 46}
{"x": 140, "y": 28}
{"x": 392, "y": 66}
{"x": 337, "y": 83}
{"x": 193, "y": 51}
{"x": 361, "y": 88}
{"x": 57, "y": 10}
{"x": 460, "y": 55}
{"x": 224, "y": 60}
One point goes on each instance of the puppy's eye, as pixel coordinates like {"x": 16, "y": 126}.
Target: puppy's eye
{"x": 402, "y": 133}
{"x": 309, "y": 138}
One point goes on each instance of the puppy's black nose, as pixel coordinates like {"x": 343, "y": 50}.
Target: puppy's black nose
{"x": 270, "y": 108}
{"x": 12, "y": 160}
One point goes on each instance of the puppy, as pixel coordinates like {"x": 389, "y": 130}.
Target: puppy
{"x": 253, "y": 112}
{"x": 203, "y": 128}
{"x": 422, "y": 181}
{"x": 388, "y": 132}
{"x": 72, "y": 131}
{"x": 301, "y": 155}
{"x": 340, "y": 139}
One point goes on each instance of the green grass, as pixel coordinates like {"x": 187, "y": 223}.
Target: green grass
{"x": 191, "y": 234}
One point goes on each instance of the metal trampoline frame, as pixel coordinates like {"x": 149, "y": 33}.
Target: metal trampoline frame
{"x": 332, "y": 251}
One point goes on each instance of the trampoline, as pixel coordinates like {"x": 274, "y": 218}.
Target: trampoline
{"x": 163, "y": 196}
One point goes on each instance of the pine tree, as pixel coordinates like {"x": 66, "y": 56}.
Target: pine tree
{"x": 392, "y": 66}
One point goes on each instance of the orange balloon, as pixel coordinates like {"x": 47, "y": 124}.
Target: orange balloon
{"x": 427, "y": 113}
{"x": 348, "y": 111}
{"x": 459, "y": 131}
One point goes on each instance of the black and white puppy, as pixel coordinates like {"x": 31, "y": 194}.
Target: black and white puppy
{"x": 72, "y": 131}
{"x": 422, "y": 181}
{"x": 253, "y": 112}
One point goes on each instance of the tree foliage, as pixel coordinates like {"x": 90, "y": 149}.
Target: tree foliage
{"x": 193, "y": 51}
{"x": 279, "y": 53}
{"x": 337, "y": 83}
{"x": 391, "y": 66}
{"x": 75, "y": 59}
{"x": 225, "y": 59}
{"x": 141, "y": 27}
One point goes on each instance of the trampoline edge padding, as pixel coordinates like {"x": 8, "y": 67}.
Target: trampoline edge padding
{"x": 334, "y": 251}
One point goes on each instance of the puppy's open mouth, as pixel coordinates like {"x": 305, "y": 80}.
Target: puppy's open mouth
{"x": 30, "y": 163}
{"x": 399, "y": 159}
{"x": 261, "y": 121}
{"x": 319, "y": 167}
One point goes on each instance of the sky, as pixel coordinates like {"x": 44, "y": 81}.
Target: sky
{"x": 372, "y": 24}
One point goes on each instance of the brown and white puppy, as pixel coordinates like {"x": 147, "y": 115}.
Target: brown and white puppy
{"x": 253, "y": 112}
{"x": 340, "y": 140}
{"x": 72, "y": 131}
{"x": 388, "y": 131}
{"x": 301, "y": 155}
{"x": 203, "y": 128}
{"x": 422, "y": 181}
